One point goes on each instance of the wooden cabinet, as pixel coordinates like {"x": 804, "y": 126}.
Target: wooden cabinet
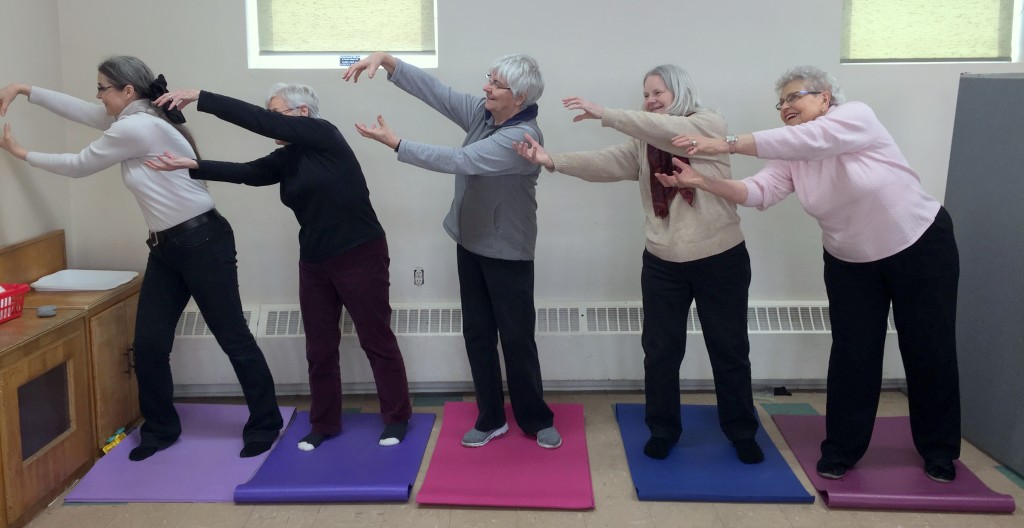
{"x": 45, "y": 410}
{"x": 110, "y": 328}
{"x": 115, "y": 391}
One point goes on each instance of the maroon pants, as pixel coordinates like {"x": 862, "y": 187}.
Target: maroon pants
{"x": 358, "y": 280}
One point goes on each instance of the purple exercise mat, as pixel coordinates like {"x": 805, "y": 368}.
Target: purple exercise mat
{"x": 202, "y": 466}
{"x": 350, "y": 467}
{"x": 891, "y": 474}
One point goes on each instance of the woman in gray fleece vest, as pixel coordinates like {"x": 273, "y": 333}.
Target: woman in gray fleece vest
{"x": 493, "y": 219}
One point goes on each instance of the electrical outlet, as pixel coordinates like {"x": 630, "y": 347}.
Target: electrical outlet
{"x": 417, "y": 276}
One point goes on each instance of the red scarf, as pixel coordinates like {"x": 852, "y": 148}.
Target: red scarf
{"x": 661, "y": 196}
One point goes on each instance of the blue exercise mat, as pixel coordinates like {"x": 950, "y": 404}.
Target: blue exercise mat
{"x": 703, "y": 466}
{"x": 350, "y": 467}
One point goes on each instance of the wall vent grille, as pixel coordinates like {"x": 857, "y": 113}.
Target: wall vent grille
{"x": 584, "y": 318}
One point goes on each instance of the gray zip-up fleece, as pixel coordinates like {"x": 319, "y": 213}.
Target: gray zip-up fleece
{"x": 494, "y": 210}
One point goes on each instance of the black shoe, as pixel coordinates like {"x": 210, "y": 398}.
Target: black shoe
{"x": 831, "y": 470}
{"x": 748, "y": 451}
{"x": 940, "y": 470}
{"x": 255, "y": 447}
{"x": 658, "y": 448}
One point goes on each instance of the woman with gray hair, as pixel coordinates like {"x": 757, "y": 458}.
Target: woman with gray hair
{"x": 343, "y": 253}
{"x": 191, "y": 246}
{"x": 694, "y": 251}
{"x": 885, "y": 242}
{"x": 493, "y": 220}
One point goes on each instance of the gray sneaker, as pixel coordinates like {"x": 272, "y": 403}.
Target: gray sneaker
{"x": 549, "y": 438}
{"x": 477, "y": 438}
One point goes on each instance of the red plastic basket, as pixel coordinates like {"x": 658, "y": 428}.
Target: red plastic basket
{"x": 12, "y": 299}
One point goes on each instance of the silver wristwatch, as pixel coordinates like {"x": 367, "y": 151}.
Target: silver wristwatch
{"x": 731, "y": 139}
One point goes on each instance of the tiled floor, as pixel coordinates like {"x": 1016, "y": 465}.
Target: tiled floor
{"x": 617, "y": 505}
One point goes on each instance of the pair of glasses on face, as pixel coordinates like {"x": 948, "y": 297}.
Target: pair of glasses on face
{"x": 792, "y": 98}
{"x": 100, "y": 88}
{"x": 286, "y": 110}
{"x": 494, "y": 84}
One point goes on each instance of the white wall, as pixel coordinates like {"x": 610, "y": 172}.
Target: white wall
{"x": 31, "y": 201}
{"x": 590, "y": 235}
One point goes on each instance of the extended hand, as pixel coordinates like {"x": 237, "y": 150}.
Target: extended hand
{"x": 590, "y": 110}
{"x": 530, "y": 149}
{"x": 683, "y": 176}
{"x": 8, "y": 143}
{"x": 177, "y": 99}
{"x": 9, "y": 93}
{"x": 700, "y": 144}
{"x": 369, "y": 64}
{"x": 170, "y": 162}
{"x": 380, "y": 132}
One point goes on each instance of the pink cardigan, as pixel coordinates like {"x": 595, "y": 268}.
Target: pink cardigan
{"x": 848, "y": 173}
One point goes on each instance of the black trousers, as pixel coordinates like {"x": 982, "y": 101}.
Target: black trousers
{"x": 921, "y": 283}
{"x": 497, "y": 300}
{"x": 719, "y": 284}
{"x": 199, "y": 263}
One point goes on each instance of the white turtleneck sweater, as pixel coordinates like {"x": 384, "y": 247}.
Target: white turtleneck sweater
{"x": 138, "y": 134}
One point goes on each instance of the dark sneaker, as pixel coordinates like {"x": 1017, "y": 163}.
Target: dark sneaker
{"x": 477, "y": 438}
{"x": 940, "y": 470}
{"x": 831, "y": 470}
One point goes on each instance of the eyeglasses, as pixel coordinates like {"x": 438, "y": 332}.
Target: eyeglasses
{"x": 792, "y": 98}
{"x": 100, "y": 88}
{"x": 494, "y": 84}
{"x": 286, "y": 110}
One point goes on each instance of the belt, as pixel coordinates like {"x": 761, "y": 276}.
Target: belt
{"x": 155, "y": 237}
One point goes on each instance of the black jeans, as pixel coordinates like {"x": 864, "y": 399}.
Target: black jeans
{"x": 921, "y": 283}
{"x": 199, "y": 263}
{"x": 497, "y": 300}
{"x": 719, "y": 284}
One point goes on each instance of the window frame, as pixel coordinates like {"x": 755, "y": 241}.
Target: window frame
{"x": 320, "y": 60}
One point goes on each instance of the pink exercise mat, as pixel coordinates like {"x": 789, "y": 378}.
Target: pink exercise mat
{"x": 512, "y": 470}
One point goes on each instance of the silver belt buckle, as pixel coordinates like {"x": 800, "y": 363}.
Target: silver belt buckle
{"x": 154, "y": 239}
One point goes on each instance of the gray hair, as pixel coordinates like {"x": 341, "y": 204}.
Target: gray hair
{"x": 684, "y": 92}
{"x": 816, "y": 79}
{"x": 295, "y": 95}
{"x": 125, "y": 70}
{"x": 522, "y": 74}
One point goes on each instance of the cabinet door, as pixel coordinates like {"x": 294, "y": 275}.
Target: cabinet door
{"x": 131, "y": 306}
{"x": 45, "y": 424}
{"x": 111, "y": 373}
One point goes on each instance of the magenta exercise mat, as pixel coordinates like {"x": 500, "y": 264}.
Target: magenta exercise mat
{"x": 891, "y": 474}
{"x": 511, "y": 471}
{"x": 350, "y": 467}
{"x": 202, "y": 466}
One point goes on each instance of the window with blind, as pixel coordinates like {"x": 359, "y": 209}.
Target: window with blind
{"x": 322, "y": 33}
{"x": 927, "y": 30}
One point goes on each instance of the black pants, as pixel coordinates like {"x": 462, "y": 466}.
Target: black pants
{"x": 719, "y": 284}
{"x": 921, "y": 284}
{"x": 199, "y": 263}
{"x": 497, "y": 300}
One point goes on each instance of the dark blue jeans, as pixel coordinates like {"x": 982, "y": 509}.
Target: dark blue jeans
{"x": 497, "y": 300}
{"x": 921, "y": 283}
{"x": 719, "y": 284}
{"x": 198, "y": 263}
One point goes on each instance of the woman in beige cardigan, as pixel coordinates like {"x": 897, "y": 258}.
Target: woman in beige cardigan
{"x": 694, "y": 251}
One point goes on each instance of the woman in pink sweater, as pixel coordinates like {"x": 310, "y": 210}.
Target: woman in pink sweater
{"x": 885, "y": 240}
